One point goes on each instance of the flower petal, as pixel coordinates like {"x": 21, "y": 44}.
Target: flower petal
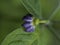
{"x": 28, "y": 18}
{"x": 31, "y": 29}
{"x": 26, "y": 24}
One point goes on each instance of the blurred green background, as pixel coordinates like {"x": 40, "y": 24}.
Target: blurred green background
{"x": 12, "y": 11}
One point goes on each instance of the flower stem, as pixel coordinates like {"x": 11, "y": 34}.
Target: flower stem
{"x": 41, "y": 21}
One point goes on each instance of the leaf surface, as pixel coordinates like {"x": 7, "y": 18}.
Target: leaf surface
{"x": 33, "y": 6}
{"x": 39, "y": 37}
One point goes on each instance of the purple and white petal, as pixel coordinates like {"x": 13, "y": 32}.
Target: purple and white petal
{"x": 28, "y": 18}
{"x": 26, "y": 25}
{"x": 31, "y": 29}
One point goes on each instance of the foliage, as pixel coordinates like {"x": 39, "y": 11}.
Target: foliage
{"x": 11, "y": 13}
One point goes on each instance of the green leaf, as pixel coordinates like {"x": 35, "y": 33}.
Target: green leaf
{"x": 7, "y": 26}
{"x": 19, "y": 37}
{"x": 47, "y": 37}
{"x": 56, "y": 15}
{"x": 50, "y": 11}
{"x": 55, "y": 20}
{"x": 40, "y": 37}
{"x": 33, "y": 7}
{"x": 55, "y": 28}
{"x": 48, "y": 7}
{"x": 12, "y": 9}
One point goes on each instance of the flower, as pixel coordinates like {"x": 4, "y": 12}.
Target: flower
{"x": 28, "y": 18}
{"x": 30, "y": 29}
{"x": 31, "y": 22}
{"x": 28, "y": 23}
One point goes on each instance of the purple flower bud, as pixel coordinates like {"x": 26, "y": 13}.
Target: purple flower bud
{"x": 27, "y": 24}
{"x": 28, "y": 18}
{"x": 31, "y": 29}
